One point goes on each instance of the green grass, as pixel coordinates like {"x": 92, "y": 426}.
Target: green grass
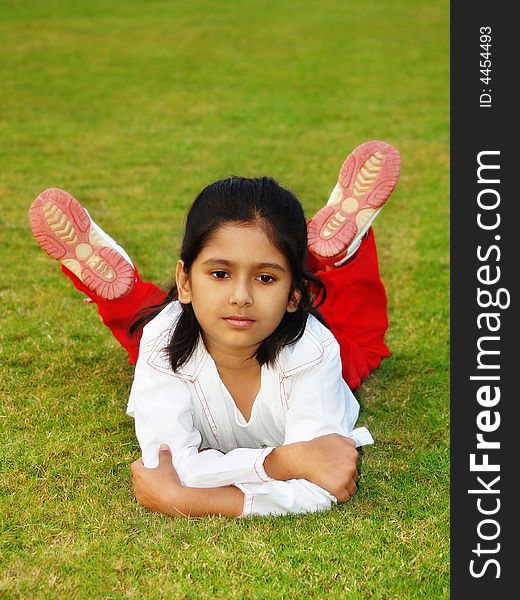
{"x": 133, "y": 106}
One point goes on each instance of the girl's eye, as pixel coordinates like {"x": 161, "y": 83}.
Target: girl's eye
{"x": 219, "y": 274}
{"x": 265, "y": 278}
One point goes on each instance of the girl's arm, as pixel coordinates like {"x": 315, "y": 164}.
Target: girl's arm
{"x": 160, "y": 490}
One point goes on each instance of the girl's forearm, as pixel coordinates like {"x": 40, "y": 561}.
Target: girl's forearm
{"x": 200, "y": 502}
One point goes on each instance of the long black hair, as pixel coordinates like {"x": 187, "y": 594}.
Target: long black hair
{"x": 264, "y": 202}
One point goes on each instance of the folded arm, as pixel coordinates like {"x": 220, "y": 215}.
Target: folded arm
{"x": 160, "y": 489}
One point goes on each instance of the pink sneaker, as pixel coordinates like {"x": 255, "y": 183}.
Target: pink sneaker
{"x": 365, "y": 182}
{"x": 64, "y": 229}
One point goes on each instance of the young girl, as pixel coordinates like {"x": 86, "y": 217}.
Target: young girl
{"x": 240, "y": 394}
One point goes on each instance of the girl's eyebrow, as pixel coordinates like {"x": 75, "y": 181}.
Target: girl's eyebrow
{"x": 230, "y": 263}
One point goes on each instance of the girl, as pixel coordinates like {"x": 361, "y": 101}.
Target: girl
{"x": 240, "y": 394}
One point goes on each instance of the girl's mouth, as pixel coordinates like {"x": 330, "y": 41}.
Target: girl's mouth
{"x": 239, "y": 322}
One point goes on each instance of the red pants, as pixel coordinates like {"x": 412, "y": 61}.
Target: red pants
{"x": 355, "y": 311}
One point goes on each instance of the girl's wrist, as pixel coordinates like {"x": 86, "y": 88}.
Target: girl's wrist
{"x": 285, "y": 462}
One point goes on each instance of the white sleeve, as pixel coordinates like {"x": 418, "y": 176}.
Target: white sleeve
{"x": 320, "y": 403}
{"x": 163, "y": 411}
{"x": 284, "y": 497}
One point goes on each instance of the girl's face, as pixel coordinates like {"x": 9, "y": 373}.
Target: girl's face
{"x": 239, "y": 287}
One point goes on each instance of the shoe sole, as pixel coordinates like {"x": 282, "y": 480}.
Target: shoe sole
{"x": 365, "y": 182}
{"x": 64, "y": 230}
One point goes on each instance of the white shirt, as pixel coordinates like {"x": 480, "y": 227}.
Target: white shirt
{"x": 302, "y": 397}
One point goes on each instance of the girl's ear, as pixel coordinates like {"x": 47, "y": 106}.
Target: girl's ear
{"x": 294, "y": 301}
{"x": 183, "y": 283}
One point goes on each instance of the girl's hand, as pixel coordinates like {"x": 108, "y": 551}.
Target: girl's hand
{"x": 157, "y": 489}
{"x": 331, "y": 461}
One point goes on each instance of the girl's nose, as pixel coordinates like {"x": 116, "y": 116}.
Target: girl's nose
{"x": 241, "y": 295}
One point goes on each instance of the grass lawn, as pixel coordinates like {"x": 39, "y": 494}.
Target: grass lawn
{"x": 134, "y": 106}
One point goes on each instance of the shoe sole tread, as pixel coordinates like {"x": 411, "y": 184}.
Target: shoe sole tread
{"x": 365, "y": 181}
{"x": 63, "y": 229}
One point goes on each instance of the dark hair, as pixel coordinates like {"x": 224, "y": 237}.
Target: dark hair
{"x": 264, "y": 202}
